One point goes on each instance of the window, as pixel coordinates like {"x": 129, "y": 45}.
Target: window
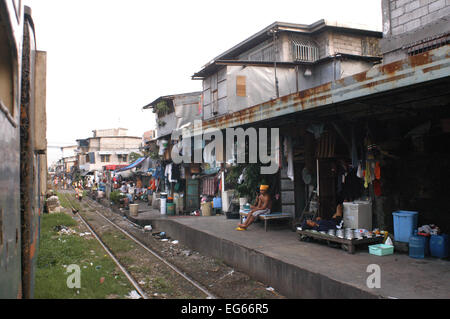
{"x": 241, "y": 89}
{"x": 305, "y": 50}
{"x": 122, "y": 157}
{"x": 215, "y": 102}
{"x": 6, "y": 74}
{"x": 266, "y": 54}
{"x": 105, "y": 158}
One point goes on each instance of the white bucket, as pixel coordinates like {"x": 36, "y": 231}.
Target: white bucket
{"x": 163, "y": 207}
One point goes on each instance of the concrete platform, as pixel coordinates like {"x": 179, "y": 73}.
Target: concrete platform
{"x": 300, "y": 269}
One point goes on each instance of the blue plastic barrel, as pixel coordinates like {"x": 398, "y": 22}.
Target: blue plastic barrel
{"x": 439, "y": 246}
{"x": 417, "y": 246}
{"x": 404, "y": 224}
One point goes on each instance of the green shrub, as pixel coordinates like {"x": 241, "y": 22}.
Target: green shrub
{"x": 115, "y": 196}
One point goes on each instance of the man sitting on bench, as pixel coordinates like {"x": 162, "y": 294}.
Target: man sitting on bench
{"x": 263, "y": 205}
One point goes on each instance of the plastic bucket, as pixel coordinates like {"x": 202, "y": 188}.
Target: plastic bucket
{"x": 134, "y": 208}
{"x": 170, "y": 209}
{"x": 405, "y": 222}
{"x": 163, "y": 207}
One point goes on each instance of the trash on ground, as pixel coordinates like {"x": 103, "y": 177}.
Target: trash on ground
{"x": 174, "y": 242}
{"x": 270, "y": 289}
{"x": 133, "y": 295}
{"x": 64, "y": 230}
{"x": 85, "y": 234}
{"x": 148, "y": 228}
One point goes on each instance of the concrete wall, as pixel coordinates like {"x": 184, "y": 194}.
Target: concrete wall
{"x": 40, "y": 94}
{"x": 113, "y": 145}
{"x": 408, "y": 15}
{"x": 111, "y": 132}
{"x": 410, "y": 21}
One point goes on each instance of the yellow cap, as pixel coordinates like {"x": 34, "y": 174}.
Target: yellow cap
{"x": 264, "y": 187}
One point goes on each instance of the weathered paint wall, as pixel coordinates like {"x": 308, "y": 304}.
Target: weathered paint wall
{"x": 10, "y": 230}
{"x": 10, "y": 256}
{"x": 111, "y": 146}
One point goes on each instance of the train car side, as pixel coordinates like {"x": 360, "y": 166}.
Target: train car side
{"x": 23, "y": 162}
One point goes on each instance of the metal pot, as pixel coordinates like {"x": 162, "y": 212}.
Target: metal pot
{"x": 332, "y": 232}
{"x": 358, "y": 234}
{"x": 340, "y": 233}
{"x": 349, "y": 233}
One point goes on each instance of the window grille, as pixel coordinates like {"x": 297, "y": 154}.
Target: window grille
{"x": 305, "y": 51}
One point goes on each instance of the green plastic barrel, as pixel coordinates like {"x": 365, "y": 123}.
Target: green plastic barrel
{"x": 170, "y": 209}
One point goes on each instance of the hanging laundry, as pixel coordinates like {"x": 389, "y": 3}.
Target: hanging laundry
{"x": 367, "y": 175}
{"x": 354, "y": 152}
{"x": 360, "y": 172}
{"x": 176, "y": 174}
{"x": 377, "y": 170}
{"x": 290, "y": 158}
{"x": 377, "y": 187}
{"x": 208, "y": 186}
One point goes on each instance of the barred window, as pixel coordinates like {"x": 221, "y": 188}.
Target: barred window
{"x": 305, "y": 51}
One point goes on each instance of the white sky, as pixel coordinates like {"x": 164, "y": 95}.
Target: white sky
{"x": 109, "y": 58}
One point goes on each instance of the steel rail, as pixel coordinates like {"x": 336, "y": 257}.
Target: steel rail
{"x": 174, "y": 268}
{"x": 137, "y": 241}
{"x": 126, "y": 273}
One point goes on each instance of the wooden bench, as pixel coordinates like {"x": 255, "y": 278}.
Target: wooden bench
{"x": 347, "y": 244}
{"x": 267, "y": 217}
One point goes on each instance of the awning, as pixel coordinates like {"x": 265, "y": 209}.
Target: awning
{"x": 113, "y": 167}
{"x": 133, "y": 165}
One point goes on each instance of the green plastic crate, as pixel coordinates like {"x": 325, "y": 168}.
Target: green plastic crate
{"x": 381, "y": 250}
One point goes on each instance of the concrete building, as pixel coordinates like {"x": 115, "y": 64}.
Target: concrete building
{"x": 282, "y": 59}
{"x": 175, "y": 111}
{"x": 106, "y": 148}
{"x": 69, "y": 158}
{"x": 411, "y": 27}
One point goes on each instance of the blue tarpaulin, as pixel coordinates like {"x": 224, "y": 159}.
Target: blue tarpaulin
{"x": 133, "y": 165}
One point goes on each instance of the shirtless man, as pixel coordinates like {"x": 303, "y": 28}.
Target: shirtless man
{"x": 263, "y": 205}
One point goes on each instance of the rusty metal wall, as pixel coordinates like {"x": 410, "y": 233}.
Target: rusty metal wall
{"x": 10, "y": 223}
{"x": 31, "y": 205}
{"x": 10, "y": 251}
{"x": 22, "y": 166}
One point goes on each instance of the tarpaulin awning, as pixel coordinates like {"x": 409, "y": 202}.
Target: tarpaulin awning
{"x": 133, "y": 165}
{"x": 87, "y": 173}
{"x": 113, "y": 167}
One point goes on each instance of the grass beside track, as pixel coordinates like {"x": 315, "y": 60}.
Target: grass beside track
{"x": 100, "y": 277}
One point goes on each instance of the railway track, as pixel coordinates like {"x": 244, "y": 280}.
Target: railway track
{"x": 132, "y": 280}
